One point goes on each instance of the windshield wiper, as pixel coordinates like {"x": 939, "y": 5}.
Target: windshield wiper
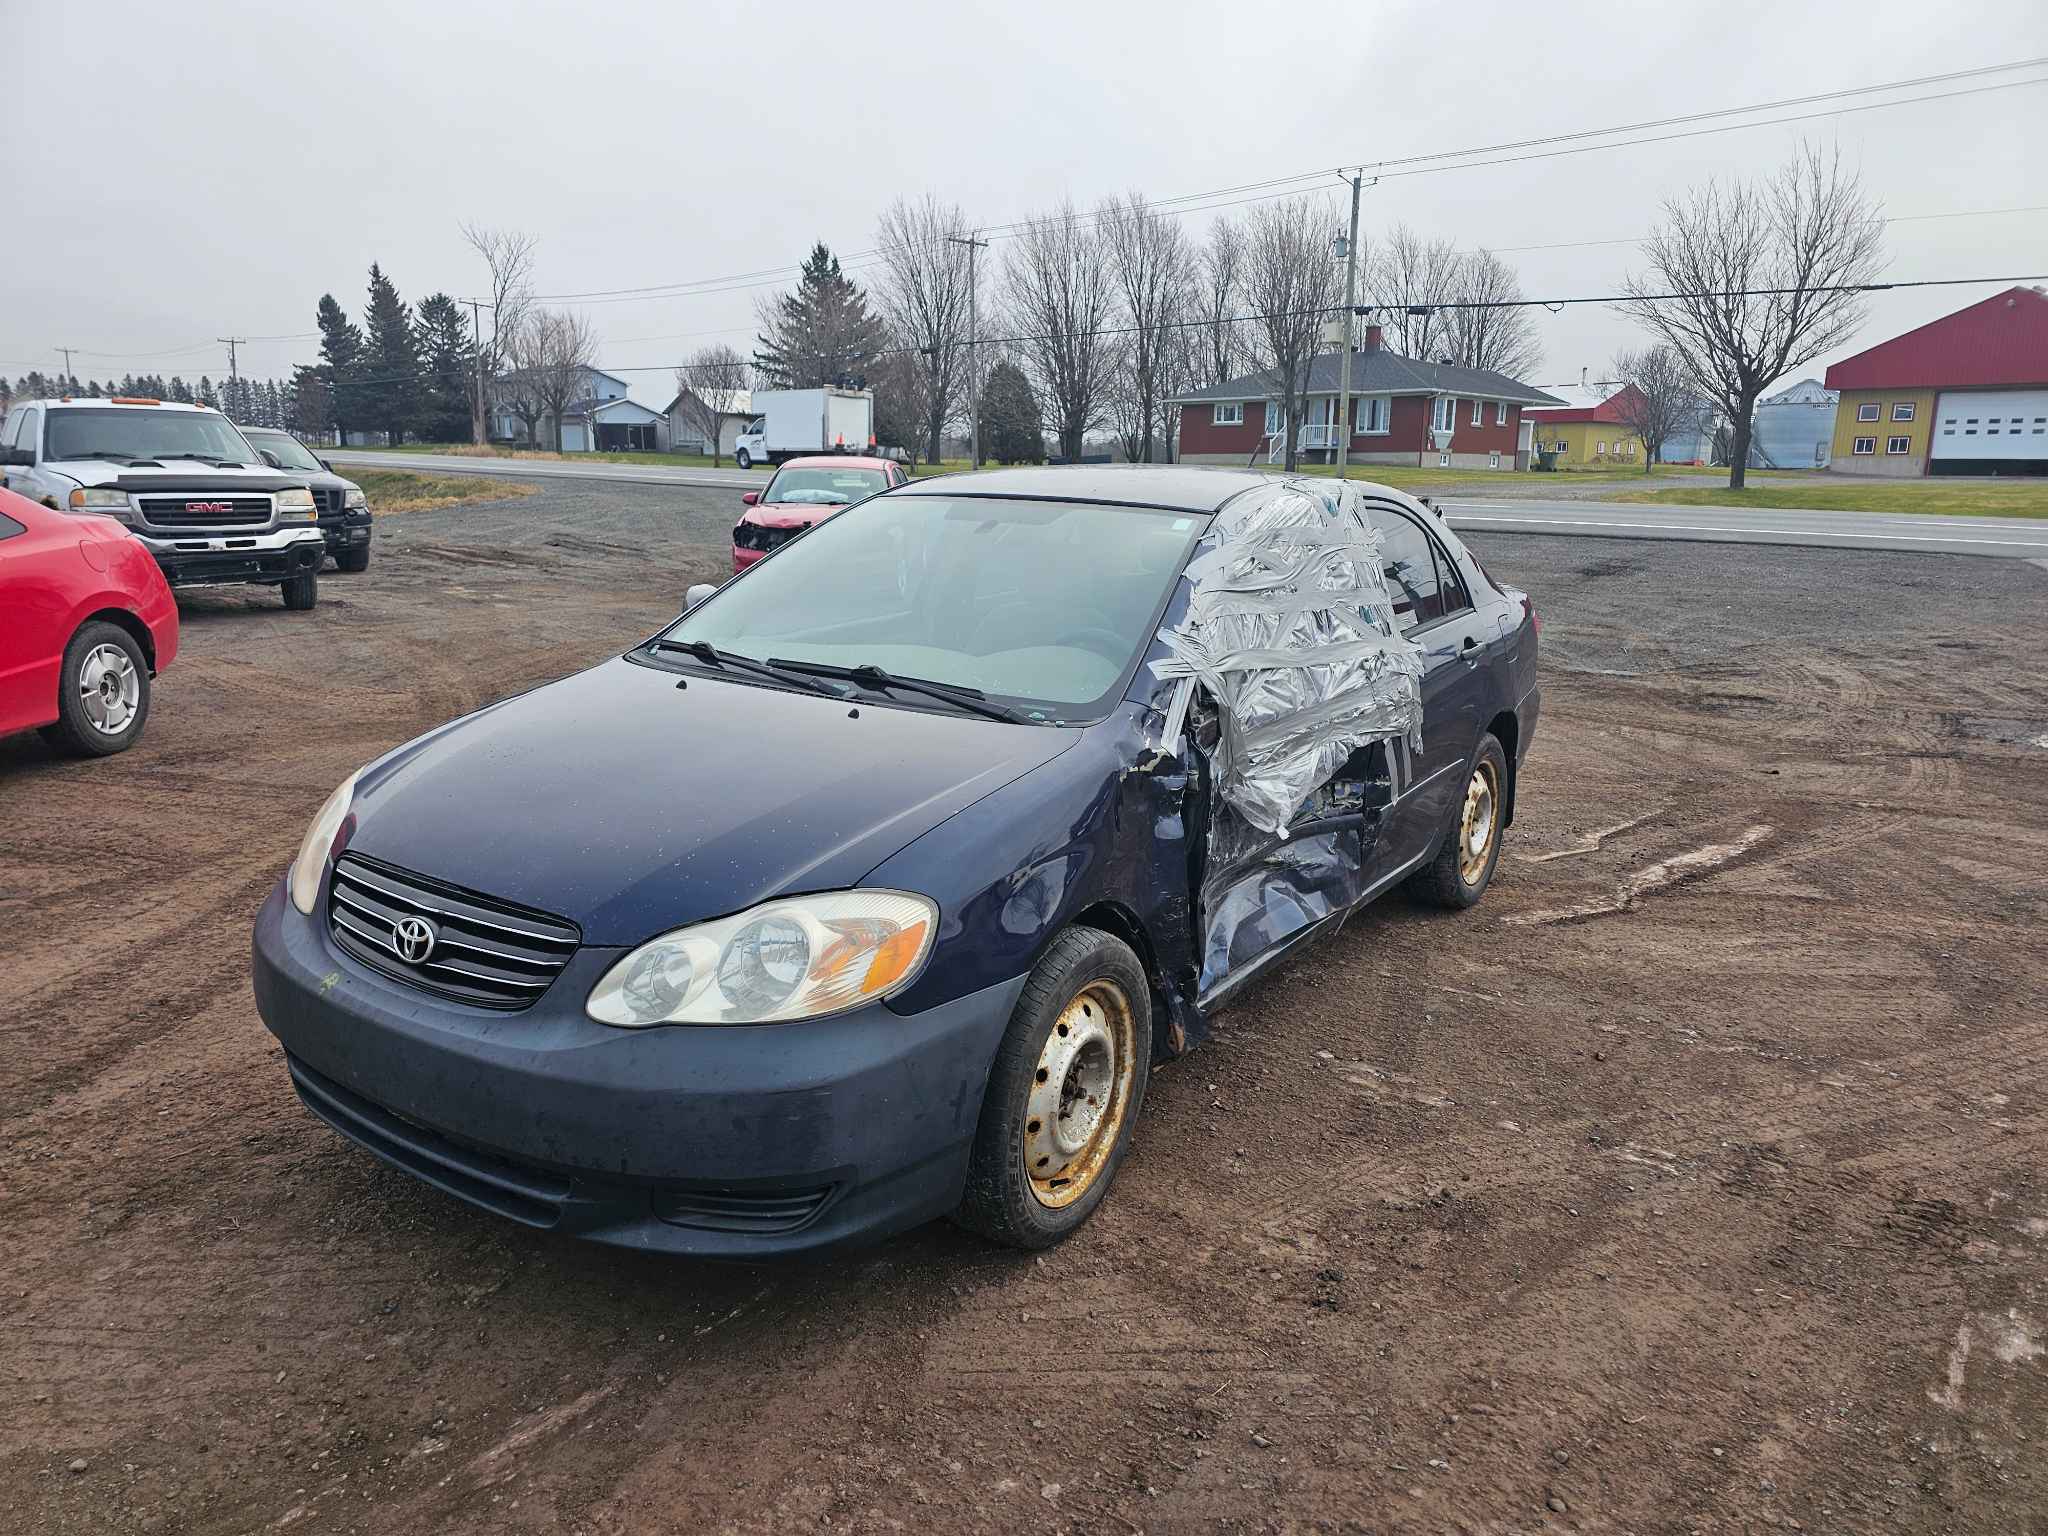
{"x": 99, "y": 453}
{"x": 872, "y": 677}
{"x": 712, "y": 656}
{"x": 206, "y": 458}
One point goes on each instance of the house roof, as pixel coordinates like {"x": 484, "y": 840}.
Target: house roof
{"x": 2002, "y": 340}
{"x": 1608, "y": 410}
{"x": 589, "y": 407}
{"x": 1805, "y": 392}
{"x": 727, "y": 402}
{"x": 1376, "y": 371}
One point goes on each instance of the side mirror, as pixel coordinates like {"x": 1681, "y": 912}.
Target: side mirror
{"x": 697, "y": 594}
{"x": 751, "y": 499}
{"x": 327, "y": 466}
{"x": 23, "y": 456}
{"x": 270, "y": 458}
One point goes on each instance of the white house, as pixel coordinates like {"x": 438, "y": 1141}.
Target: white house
{"x": 734, "y": 408}
{"x": 600, "y": 418}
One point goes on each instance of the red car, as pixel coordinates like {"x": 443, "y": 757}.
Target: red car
{"x": 86, "y": 620}
{"x": 803, "y": 492}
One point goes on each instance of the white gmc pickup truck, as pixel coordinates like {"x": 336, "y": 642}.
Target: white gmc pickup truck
{"x": 183, "y": 480}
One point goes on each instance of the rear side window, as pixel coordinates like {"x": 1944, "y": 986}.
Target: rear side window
{"x": 25, "y": 429}
{"x": 9, "y": 527}
{"x": 1411, "y": 568}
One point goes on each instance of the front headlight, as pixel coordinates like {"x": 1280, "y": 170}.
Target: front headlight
{"x": 319, "y": 842}
{"x": 86, "y": 499}
{"x": 793, "y": 959}
{"x": 356, "y": 501}
{"x": 295, "y": 506}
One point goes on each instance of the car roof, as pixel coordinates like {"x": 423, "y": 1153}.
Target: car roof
{"x": 836, "y": 461}
{"x": 131, "y": 403}
{"x": 1180, "y": 487}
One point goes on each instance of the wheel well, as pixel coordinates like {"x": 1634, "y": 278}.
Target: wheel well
{"x": 121, "y": 618}
{"x": 1120, "y": 922}
{"x": 1506, "y": 730}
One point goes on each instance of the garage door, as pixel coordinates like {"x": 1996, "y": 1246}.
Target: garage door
{"x": 1991, "y": 424}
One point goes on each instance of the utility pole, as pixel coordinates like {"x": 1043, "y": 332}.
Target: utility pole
{"x": 1350, "y": 302}
{"x": 65, "y": 382}
{"x": 476, "y": 329}
{"x": 973, "y": 355}
{"x": 232, "y": 343}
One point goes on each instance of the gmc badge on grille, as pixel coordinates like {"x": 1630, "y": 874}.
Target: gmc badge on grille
{"x": 209, "y": 506}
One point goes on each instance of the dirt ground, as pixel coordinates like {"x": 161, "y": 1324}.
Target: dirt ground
{"x": 1697, "y": 1181}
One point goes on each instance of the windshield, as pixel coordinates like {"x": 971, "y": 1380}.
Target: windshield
{"x": 118, "y": 433}
{"x": 824, "y": 487}
{"x": 290, "y": 452}
{"x": 1043, "y": 605}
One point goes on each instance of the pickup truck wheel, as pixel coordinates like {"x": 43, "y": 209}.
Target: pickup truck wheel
{"x": 743, "y": 459}
{"x": 354, "y": 561}
{"x": 1463, "y": 868}
{"x": 102, "y": 693}
{"x": 302, "y": 592}
{"x": 1063, "y": 1094}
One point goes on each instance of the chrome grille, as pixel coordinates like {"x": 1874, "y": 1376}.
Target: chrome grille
{"x": 481, "y": 951}
{"x": 198, "y": 511}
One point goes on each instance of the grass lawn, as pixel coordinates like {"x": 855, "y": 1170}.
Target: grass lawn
{"x": 471, "y": 451}
{"x": 398, "y": 490}
{"x": 1933, "y": 497}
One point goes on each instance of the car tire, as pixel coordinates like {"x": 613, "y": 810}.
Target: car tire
{"x": 1080, "y": 1037}
{"x": 1460, "y": 873}
{"x": 743, "y": 459}
{"x": 302, "y": 591}
{"x": 353, "y": 561}
{"x": 104, "y": 679}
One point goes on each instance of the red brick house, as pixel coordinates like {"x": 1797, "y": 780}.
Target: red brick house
{"x": 1398, "y": 406}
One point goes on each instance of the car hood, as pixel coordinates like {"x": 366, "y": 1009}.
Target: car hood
{"x": 630, "y": 805}
{"x": 791, "y": 514}
{"x": 176, "y": 474}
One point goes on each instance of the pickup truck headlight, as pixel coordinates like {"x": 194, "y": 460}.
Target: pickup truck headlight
{"x": 799, "y": 958}
{"x": 111, "y": 503}
{"x": 356, "y": 501}
{"x": 307, "y": 868}
{"x": 295, "y": 506}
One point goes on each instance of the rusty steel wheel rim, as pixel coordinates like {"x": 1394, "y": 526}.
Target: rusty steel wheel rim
{"x": 1080, "y": 1094}
{"x": 1478, "y": 824}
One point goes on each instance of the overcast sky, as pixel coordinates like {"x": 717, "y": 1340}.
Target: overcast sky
{"x": 177, "y": 172}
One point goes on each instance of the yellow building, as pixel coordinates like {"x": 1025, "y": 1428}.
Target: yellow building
{"x": 1883, "y": 431}
{"x": 1586, "y": 437}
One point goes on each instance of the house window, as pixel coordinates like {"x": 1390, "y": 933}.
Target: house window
{"x": 1231, "y": 415}
{"x": 1864, "y": 445}
{"x": 1443, "y": 461}
{"x": 1602, "y": 450}
{"x": 1493, "y": 461}
{"x": 1272, "y": 417}
{"x": 1898, "y": 445}
{"x": 1500, "y": 413}
{"x": 1902, "y": 410}
{"x": 1369, "y": 414}
{"x": 1478, "y": 413}
{"x": 1867, "y": 411}
{"x": 1445, "y": 414}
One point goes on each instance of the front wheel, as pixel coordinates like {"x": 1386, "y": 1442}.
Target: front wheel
{"x": 353, "y": 561}
{"x": 102, "y": 693}
{"x": 302, "y": 592}
{"x": 1063, "y": 1094}
{"x": 1464, "y": 866}
{"x": 743, "y": 459}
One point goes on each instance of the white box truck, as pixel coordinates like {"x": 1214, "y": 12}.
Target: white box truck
{"x": 791, "y": 422}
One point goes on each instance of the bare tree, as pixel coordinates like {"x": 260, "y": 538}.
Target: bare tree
{"x": 551, "y": 355}
{"x": 1412, "y": 279}
{"x": 706, "y": 390}
{"x": 1060, "y": 298}
{"x": 1153, "y": 266}
{"x": 1490, "y": 329}
{"x": 1293, "y": 284}
{"x": 1766, "y": 276}
{"x": 922, "y": 295}
{"x": 508, "y": 258}
{"x": 1657, "y": 399}
{"x": 1219, "y": 294}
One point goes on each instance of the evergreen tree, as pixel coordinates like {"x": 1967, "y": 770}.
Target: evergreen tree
{"x": 822, "y": 334}
{"x": 204, "y": 395}
{"x": 1012, "y": 431}
{"x": 312, "y": 401}
{"x": 34, "y": 386}
{"x": 341, "y": 366}
{"x": 273, "y": 407}
{"x": 92, "y": 389}
{"x": 392, "y": 359}
{"x": 448, "y": 369}
{"x": 180, "y": 391}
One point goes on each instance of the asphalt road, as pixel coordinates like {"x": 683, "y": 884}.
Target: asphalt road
{"x": 2011, "y": 538}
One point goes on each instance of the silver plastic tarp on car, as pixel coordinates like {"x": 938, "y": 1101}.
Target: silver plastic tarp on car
{"x": 1290, "y": 628}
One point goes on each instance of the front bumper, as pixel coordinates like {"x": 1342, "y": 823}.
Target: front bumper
{"x": 196, "y": 559}
{"x": 345, "y": 531}
{"x": 737, "y": 1142}
{"x": 742, "y": 558}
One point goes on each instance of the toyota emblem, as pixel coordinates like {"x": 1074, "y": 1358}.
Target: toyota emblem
{"x": 413, "y": 939}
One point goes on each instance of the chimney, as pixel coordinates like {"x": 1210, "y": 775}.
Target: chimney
{"x": 1374, "y": 338}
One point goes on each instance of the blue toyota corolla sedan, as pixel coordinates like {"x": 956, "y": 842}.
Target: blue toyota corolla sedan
{"x": 871, "y": 889}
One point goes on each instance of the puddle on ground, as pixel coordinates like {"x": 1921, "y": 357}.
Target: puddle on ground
{"x": 1999, "y": 728}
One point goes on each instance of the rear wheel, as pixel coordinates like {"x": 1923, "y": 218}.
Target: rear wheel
{"x": 302, "y": 591}
{"x": 1063, "y": 1095}
{"x": 354, "y": 561}
{"x": 1463, "y": 868}
{"x": 102, "y": 693}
